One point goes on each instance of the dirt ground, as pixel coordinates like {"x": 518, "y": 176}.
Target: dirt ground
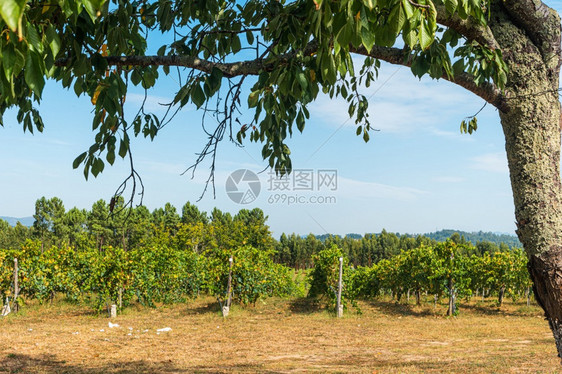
{"x": 278, "y": 336}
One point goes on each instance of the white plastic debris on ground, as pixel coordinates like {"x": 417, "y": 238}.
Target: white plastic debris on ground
{"x": 112, "y": 325}
{"x": 165, "y": 329}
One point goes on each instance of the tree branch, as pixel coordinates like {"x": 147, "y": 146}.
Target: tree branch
{"x": 542, "y": 25}
{"x": 487, "y": 91}
{"x": 466, "y": 27}
{"x": 229, "y": 70}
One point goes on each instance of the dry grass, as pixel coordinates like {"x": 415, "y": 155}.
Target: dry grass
{"x": 277, "y": 337}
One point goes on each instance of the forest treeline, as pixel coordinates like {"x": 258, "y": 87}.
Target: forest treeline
{"x": 111, "y": 224}
{"x": 112, "y": 255}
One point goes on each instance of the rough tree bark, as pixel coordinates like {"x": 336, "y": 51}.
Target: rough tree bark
{"x": 529, "y": 34}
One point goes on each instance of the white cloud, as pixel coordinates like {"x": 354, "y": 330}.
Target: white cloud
{"x": 448, "y": 179}
{"x": 492, "y": 162}
{"x": 450, "y": 134}
{"x": 401, "y": 103}
{"x": 164, "y": 167}
{"x": 355, "y": 189}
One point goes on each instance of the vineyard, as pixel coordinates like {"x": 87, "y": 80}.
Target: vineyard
{"x": 163, "y": 274}
{"x": 115, "y": 256}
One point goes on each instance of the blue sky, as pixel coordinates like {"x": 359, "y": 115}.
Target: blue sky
{"x": 417, "y": 174}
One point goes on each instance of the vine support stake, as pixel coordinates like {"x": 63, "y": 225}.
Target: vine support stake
{"x": 16, "y": 286}
{"x": 226, "y": 308}
{"x": 339, "y": 306}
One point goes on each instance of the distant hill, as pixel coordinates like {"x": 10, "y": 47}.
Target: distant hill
{"x": 26, "y": 221}
{"x": 475, "y": 237}
{"x": 441, "y": 236}
{"x": 323, "y": 237}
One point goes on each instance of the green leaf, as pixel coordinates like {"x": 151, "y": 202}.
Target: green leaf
{"x": 93, "y": 7}
{"x": 235, "y": 44}
{"x": 370, "y": 3}
{"x": 110, "y": 157}
{"x": 425, "y": 35}
{"x": 78, "y": 160}
{"x": 408, "y": 9}
{"x": 367, "y": 39}
{"x": 410, "y": 38}
{"x": 33, "y": 73}
{"x": 197, "y": 95}
{"x": 301, "y": 78}
{"x": 300, "y": 121}
{"x": 97, "y": 167}
{"x": 8, "y": 61}
{"x": 396, "y": 20}
{"x": 463, "y": 127}
{"x": 53, "y": 40}
{"x": 183, "y": 95}
{"x": 450, "y": 5}
{"x": 253, "y": 99}
{"x": 34, "y": 39}
{"x": 11, "y": 12}
{"x": 215, "y": 79}
{"x": 250, "y": 37}
{"x": 136, "y": 77}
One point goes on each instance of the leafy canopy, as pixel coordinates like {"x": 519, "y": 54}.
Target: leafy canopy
{"x": 293, "y": 50}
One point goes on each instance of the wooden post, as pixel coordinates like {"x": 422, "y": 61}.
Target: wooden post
{"x": 16, "y": 285}
{"x": 339, "y": 307}
{"x": 451, "y": 309}
{"x": 226, "y": 308}
{"x": 6, "y": 308}
{"x": 120, "y": 298}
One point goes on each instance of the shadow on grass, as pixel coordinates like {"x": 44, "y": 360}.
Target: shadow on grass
{"x": 19, "y": 363}
{"x": 399, "y": 309}
{"x": 399, "y": 365}
{"x": 427, "y": 309}
{"x": 492, "y": 309}
{"x": 207, "y": 308}
{"x": 305, "y": 305}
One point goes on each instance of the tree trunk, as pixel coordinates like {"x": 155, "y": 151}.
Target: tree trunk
{"x": 452, "y": 307}
{"x": 418, "y": 297}
{"x": 500, "y": 295}
{"x": 531, "y": 125}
